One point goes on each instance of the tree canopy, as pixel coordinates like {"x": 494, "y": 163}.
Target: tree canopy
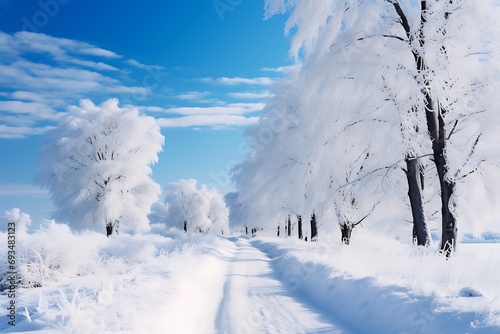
{"x": 96, "y": 165}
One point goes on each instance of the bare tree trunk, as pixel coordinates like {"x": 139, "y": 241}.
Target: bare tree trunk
{"x": 299, "y": 226}
{"x": 436, "y": 126}
{"x": 109, "y": 229}
{"x": 289, "y": 224}
{"x": 112, "y": 227}
{"x": 346, "y": 231}
{"x": 448, "y": 221}
{"x": 437, "y": 132}
{"x": 413, "y": 175}
{"x": 314, "y": 227}
{"x": 434, "y": 114}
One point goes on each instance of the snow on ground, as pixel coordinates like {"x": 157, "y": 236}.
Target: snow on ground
{"x": 378, "y": 285}
{"x": 177, "y": 283}
{"x": 126, "y": 284}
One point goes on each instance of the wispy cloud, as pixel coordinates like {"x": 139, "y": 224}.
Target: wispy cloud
{"x": 233, "y": 114}
{"x": 38, "y": 110}
{"x": 207, "y": 120}
{"x": 16, "y": 132}
{"x": 234, "y": 81}
{"x": 14, "y": 189}
{"x": 37, "y": 42}
{"x": 193, "y": 96}
{"x": 230, "y": 109}
{"x": 249, "y": 95}
{"x": 137, "y": 64}
{"x": 41, "y": 75}
{"x": 61, "y": 49}
{"x": 282, "y": 69}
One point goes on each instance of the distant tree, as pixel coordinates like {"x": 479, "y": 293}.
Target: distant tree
{"x": 314, "y": 227}
{"x": 196, "y": 209}
{"x": 96, "y": 165}
{"x": 218, "y": 213}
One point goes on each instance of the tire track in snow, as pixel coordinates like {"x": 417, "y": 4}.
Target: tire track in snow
{"x": 255, "y": 301}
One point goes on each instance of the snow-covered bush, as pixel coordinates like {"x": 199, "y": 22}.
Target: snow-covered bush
{"x": 54, "y": 253}
{"x": 96, "y": 165}
{"x": 195, "y": 209}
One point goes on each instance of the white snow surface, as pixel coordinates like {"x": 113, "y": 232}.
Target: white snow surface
{"x": 191, "y": 283}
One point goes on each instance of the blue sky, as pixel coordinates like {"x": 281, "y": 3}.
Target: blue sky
{"x": 203, "y": 72}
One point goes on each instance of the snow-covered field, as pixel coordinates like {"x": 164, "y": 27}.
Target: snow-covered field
{"x": 171, "y": 282}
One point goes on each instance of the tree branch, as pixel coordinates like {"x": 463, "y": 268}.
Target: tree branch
{"x": 387, "y": 36}
{"x": 471, "y": 152}
{"x": 472, "y": 171}
{"x": 403, "y": 20}
{"x": 369, "y": 213}
{"x": 452, "y": 129}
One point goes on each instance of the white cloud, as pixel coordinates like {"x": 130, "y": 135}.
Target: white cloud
{"x": 230, "y": 109}
{"x": 135, "y": 63}
{"x": 38, "y": 110}
{"x": 67, "y": 82}
{"x": 59, "y": 48}
{"x": 193, "y": 96}
{"x": 260, "y": 81}
{"x": 15, "y": 132}
{"x": 282, "y": 69}
{"x": 250, "y": 107}
{"x": 34, "y": 92}
{"x": 234, "y": 114}
{"x": 207, "y": 120}
{"x": 94, "y": 51}
{"x": 249, "y": 95}
{"x": 31, "y": 96}
{"x": 14, "y": 189}
{"x": 95, "y": 65}
{"x": 147, "y": 109}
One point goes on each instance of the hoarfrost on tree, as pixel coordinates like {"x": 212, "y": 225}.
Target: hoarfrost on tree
{"x": 96, "y": 165}
{"x": 195, "y": 209}
{"x": 361, "y": 96}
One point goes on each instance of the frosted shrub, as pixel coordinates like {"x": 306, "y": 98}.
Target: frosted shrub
{"x": 54, "y": 253}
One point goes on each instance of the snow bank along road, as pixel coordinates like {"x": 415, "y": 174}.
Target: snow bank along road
{"x": 203, "y": 284}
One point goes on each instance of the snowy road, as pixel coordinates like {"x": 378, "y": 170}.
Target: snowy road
{"x": 255, "y": 300}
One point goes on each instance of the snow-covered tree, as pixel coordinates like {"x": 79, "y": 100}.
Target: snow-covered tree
{"x": 96, "y": 165}
{"x": 306, "y": 164}
{"x": 196, "y": 209}
{"x": 403, "y": 80}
